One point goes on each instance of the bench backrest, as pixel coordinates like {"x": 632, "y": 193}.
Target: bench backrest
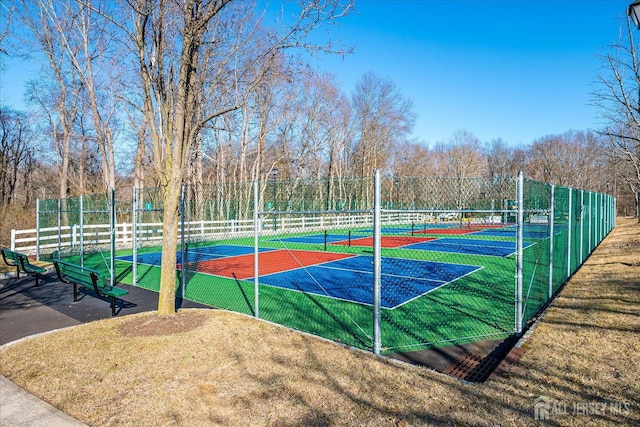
{"x": 80, "y": 274}
{"x": 10, "y": 257}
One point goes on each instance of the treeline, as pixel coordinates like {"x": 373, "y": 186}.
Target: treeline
{"x": 31, "y": 168}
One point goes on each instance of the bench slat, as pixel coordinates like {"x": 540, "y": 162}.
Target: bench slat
{"x": 113, "y": 291}
{"x": 30, "y": 268}
{"x": 87, "y": 278}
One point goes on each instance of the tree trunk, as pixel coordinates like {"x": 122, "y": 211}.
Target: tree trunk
{"x": 167, "y": 293}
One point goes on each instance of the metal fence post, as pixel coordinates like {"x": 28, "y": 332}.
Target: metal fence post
{"x": 112, "y": 224}
{"x": 519, "y": 253}
{"x": 59, "y": 228}
{"x": 601, "y": 215}
{"x": 606, "y": 213}
{"x": 594, "y": 229}
{"x": 569, "y": 225}
{"x": 551, "y": 235}
{"x": 183, "y": 244}
{"x": 600, "y": 218}
{"x": 377, "y": 270}
{"x": 81, "y": 221}
{"x": 582, "y": 215}
{"x": 612, "y": 213}
{"x": 256, "y": 296}
{"x": 134, "y": 235}
{"x": 37, "y": 231}
{"x": 591, "y": 215}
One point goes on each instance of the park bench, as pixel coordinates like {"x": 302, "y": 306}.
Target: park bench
{"x": 78, "y": 275}
{"x": 21, "y": 261}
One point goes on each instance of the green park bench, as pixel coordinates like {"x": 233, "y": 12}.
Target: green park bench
{"x": 78, "y": 275}
{"x": 21, "y": 262}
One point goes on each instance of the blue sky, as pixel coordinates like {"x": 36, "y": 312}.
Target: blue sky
{"x": 517, "y": 70}
{"x": 511, "y": 69}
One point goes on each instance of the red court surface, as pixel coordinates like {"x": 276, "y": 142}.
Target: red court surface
{"x": 241, "y": 267}
{"x": 386, "y": 241}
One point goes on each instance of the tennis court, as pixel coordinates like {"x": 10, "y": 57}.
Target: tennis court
{"x": 346, "y": 277}
{"x": 385, "y": 241}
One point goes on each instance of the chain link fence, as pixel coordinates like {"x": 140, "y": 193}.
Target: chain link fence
{"x": 390, "y": 265}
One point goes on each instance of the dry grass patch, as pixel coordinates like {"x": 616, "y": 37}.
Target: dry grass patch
{"x": 203, "y": 367}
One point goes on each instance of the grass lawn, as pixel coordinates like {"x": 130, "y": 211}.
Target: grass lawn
{"x": 219, "y": 368}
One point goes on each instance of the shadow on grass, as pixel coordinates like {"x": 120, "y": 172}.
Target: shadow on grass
{"x": 244, "y": 295}
{"x": 343, "y": 326}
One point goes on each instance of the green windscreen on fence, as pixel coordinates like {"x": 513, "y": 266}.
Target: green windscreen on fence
{"x": 536, "y": 247}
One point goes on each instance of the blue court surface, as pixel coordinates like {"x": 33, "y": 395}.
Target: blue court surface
{"x": 351, "y": 279}
{"x": 195, "y": 254}
{"x": 468, "y": 246}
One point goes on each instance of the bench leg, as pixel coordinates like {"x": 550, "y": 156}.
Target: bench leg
{"x": 37, "y": 275}
{"x": 17, "y": 271}
{"x": 75, "y": 292}
{"x": 113, "y": 306}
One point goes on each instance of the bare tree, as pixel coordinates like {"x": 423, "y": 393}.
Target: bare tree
{"x": 16, "y": 154}
{"x": 84, "y": 41}
{"x": 618, "y": 96}
{"x": 460, "y": 159}
{"x": 58, "y": 94}
{"x": 20, "y": 170}
{"x": 412, "y": 159}
{"x": 574, "y": 159}
{"x": 191, "y": 48}
{"x": 503, "y": 160}
{"x": 329, "y": 128}
{"x": 625, "y": 187}
{"x": 6, "y": 14}
{"x": 382, "y": 117}
{"x": 462, "y": 156}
